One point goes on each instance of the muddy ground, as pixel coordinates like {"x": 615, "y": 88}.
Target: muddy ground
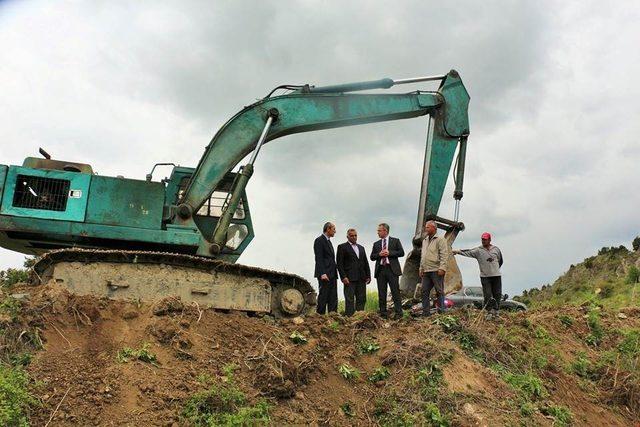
{"x": 441, "y": 372}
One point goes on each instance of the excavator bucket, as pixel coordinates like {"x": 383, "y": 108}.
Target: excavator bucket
{"x": 410, "y": 285}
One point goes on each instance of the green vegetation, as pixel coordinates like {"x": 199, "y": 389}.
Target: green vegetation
{"x": 609, "y": 279}
{"x": 434, "y": 417}
{"x": 224, "y": 404}
{"x": 347, "y": 409}
{"x": 566, "y": 320}
{"x": 9, "y": 308}
{"x": 448, "y": 323}
{"x": 597, "y": 332}
{"x": 370, "y": 305}
{"x": 142, "y": 354}
{"x": 15, "y": 399}
{"x": 367, "y": 346}
{"x": 562, "y": 416}
{"x": 348, "y": 372}
{"x": 636, "y": 244}
{"x": 379, "y": 374}
{"x": 334, "y": 326}
{"x": 298, "y": 338}
{"x": 11, "y": 276}
{"x": 528, "y": 385}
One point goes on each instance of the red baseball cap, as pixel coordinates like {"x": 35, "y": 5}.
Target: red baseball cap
{"x": 486, "y": 236}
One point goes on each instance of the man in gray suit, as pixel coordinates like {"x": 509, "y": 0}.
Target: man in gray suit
{"x": 385, "y": 253}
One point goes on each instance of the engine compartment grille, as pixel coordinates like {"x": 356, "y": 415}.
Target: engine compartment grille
{"x": 36, "y": 192}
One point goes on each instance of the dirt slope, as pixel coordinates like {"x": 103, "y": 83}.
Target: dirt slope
{"x": 214, "y": 367}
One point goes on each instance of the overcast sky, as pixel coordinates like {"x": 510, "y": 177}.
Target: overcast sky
{"x": 553, "y": 159}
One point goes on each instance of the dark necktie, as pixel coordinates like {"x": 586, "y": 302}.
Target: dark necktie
{"x": 385, "y": 260}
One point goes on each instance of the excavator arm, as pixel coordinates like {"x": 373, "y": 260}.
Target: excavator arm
{"x": 311, "y": 108}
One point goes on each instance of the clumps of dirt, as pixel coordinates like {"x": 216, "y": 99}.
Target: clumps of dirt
{"x": 458, "y": 369}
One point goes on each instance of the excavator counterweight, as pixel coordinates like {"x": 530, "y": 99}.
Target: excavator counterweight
{"x": 181, "y": 236}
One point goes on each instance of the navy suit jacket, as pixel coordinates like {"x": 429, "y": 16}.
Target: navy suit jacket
{"x": 395, "y": 251}
{"x": 325, "y": 258}
{"x": 355, "y": 268}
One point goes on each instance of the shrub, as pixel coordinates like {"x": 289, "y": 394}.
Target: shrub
{"x": 581, "y": 366}
{"x": 15, "y": 399}
{"x": 434, "y": 417}
{"x": 588, "y": 262}
{"x": 593, "y": 321}
{"x": 448, "y": 323}
{"x": 633, "y": 275}
{"x": 636, "y": 243}
{"x": 606, "y": 291}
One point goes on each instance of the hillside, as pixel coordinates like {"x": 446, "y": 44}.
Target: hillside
{"x": 68, "y": 360}
{"x": 608, "y": 279}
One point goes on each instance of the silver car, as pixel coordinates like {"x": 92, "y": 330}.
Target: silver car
{"x": 471, "y": 296}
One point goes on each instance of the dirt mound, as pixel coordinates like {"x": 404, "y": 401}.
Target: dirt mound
{"x": 106, "y": 362}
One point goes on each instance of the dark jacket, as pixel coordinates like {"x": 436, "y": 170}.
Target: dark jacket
{"x": 395, "y": 251}
{"x": 350, "y": 266}
{"x": 325, "y": 258}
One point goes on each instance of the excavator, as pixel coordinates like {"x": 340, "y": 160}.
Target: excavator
{"x": 181, "y": 236}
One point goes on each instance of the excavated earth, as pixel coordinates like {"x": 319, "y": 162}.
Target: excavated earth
{"x": 79, "y": 380}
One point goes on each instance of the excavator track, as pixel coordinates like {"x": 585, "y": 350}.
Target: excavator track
{"x": 152, "y": 276}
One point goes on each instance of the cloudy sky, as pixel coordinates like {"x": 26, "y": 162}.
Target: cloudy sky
{"x": 553, "y": 158}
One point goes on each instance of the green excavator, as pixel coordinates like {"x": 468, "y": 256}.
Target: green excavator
{"x": 144, "y": 239}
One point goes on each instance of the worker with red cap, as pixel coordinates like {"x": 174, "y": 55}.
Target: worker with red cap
{"x": 489, "y": 260}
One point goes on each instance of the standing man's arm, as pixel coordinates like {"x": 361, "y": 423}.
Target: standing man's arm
{"x": 500, "y": 259}
{"x": 471, "y": 253}
{"x": 366, "y": 267}
{"x": 443, "y": 256}
{"x": 340, "y": 263}
{"x": 375, "y": 255}
{"x": 397, "y": 251}
{"x": 320, "y": 271}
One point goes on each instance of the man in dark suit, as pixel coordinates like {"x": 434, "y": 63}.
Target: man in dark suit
{"x": 385, "y": 253}
{"x": 355, "y": 273}
{"x": 325, "y": 270}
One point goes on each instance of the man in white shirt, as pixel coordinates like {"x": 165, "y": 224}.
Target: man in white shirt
{"x": 353, "y": 267}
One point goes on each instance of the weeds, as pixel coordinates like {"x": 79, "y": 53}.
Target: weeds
{"x": 10, "y": 307}
{"x": 434, "y": 417}
{"x": 368, "y": 346}
{"x": 566, "y": 320}
{"x": 633, "y": 275}
{"x": 597, "y": 332}
{"x": 334, "y": 326}
{"x": 142, "y": 354}
{"x": 348, "y": 372}
{"x": 347, "y": 409}
{"x": 448, "y": 323}
{"x": 298, "y": 338}
{"x": 224, "y": 404}
{"x": 528, "y": 385}
{"x": 379, "y": 374}
{"x": 582, "y": 367}
{"x": 562, "y": 415}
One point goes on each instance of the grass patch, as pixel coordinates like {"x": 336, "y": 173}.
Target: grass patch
{"x": 10, "y": 307}
{"x": 561, "y": 414}
{"x": 15, "y": 399}
{"x": 142, "y": 354}
{"x": 370, "y": 304}
{"x": 224, "y": 404}
{"x": 528, "y": 385}
{"x": 595, "y": 326}
{"x": 347, "y": 409}
{"x": 566, "y": 320}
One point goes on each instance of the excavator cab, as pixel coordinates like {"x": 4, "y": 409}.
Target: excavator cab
{"x": 50, "y": 204}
